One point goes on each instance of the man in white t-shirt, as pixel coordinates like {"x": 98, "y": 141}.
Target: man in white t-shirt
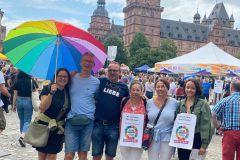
{"x": 3, "y": 90}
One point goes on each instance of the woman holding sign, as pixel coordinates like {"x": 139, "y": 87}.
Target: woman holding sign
{"x": 199, "y": 107}
{"x": 130, "y": 138}
{"x": 161, "y": 111}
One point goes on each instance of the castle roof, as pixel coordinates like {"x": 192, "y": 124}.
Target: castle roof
{"x": 220, "y": 13}
{"x": 100, "y": 10}
{"x": 183, "y": 30}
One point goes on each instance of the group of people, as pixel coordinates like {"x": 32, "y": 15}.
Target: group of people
{"x": 93, "y": 109}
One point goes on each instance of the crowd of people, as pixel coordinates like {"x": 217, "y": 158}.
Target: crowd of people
{"x": 91, "y": 109}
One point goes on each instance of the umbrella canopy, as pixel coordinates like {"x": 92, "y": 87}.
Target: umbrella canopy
{"x": 3, "y": 57}
{"x": 203, "y": 72}
{"x": 143, "y": 68}
{"x": 232, "y": 74}
{"x": 40, "y": 47}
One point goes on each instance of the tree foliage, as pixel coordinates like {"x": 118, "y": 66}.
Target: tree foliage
{"x": 150, "y": 56}
{"x": 114, "y": 40}
{"x": 139, "y": 41}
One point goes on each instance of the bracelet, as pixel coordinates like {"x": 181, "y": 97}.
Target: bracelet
{"x": 51, "y": 93}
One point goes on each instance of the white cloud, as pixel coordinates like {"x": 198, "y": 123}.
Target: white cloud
{"x": 118, "y": 15}
{"x": 75, "y": 22}
{"x": 12, "y": 23}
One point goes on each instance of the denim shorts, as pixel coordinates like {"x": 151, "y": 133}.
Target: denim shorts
{"x": 78, "y": 138}
{"x": 105, "y": 135}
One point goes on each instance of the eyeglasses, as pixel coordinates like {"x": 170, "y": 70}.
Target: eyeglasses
{"x": 112, "y": 70}
{"x": 62, "y": 76}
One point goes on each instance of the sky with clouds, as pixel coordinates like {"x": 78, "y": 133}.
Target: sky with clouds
{"x": 78, "y": 12}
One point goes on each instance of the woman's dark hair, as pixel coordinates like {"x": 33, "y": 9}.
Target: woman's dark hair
{"x": 68, "y": 74}
{"x": 136, "y": 82}
{"x": 22, "y": 75}
{"x": 197, "y": 84}
{"x": 164, "y": 81}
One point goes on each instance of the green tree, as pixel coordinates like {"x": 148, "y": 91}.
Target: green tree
{"x": 168, "y": 49}
{"x": 139, "y": 41}
{"x": 114, "y": 40}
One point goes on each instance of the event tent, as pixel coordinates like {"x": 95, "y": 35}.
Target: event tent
{"x": 209, "y": 57}
{"x": 143, "y": 68}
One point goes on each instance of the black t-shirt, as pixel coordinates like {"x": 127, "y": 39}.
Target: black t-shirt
{"x": 57, "y": 103}
{"x": 109, "y": 100}
{"x": 23, "y": 86}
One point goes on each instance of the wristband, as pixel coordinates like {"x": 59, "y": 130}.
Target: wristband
{"x": 51, "y": 93}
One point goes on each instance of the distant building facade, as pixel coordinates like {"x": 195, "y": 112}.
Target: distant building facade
{"x": 2, "y": 31}
{"x": 145, "y": 16}
{"x": 100, "y": 26}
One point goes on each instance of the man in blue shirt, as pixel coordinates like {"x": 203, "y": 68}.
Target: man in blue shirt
{"x": 80, "y": 119}
{"x": 206, "y": 86}
{"x": 107, "y": 114}
{"x": 229, "y": 110}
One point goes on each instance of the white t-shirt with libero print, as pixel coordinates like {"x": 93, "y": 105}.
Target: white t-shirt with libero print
{"x": 2, "y": 81}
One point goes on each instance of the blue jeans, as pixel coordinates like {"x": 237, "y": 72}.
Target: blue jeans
{"x": 25, "y": 111}
{"x": 105, "y": 134}
{"x": 77, "y": 137}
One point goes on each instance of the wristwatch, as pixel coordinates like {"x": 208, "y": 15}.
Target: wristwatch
{"x": 51, "y": 93}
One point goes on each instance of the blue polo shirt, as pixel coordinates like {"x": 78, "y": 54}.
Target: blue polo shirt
{"x": 109, "y": 100}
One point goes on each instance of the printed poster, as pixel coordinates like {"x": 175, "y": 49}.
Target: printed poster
{"x": 132, "y": 130}
{"x": 218, "y": 86}
{"x": 183, "y": 131}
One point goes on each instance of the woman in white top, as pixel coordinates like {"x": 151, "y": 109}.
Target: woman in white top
{"x": 149, "y": 88}
{"x": 160, "y": 148}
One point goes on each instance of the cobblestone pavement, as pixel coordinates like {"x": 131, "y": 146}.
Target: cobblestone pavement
{"x": 9, "y": 144}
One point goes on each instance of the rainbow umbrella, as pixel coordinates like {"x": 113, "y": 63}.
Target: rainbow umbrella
{"x": 3, "y": 57}
{"x": 40, "y": 47}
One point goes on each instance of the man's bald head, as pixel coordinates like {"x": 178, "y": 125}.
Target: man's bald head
{"x": 235, "y": 86}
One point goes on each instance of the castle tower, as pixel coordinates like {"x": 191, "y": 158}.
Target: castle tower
{"x": 231, "y": 22}
{"x": 2, "y": 31}
{"x": 142, "y": 16}
{"x": 196, "y": 18}
{"x": 204, "y": 20}
{"x": 99, "y": 25}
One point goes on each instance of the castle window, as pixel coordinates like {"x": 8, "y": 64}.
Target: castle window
{"x": 194, "y": 30}
{"x": 224, "y": 22}
{"x": 216, "y": 40}
{"x": 197, "y": 38}
{"x": 203, "y": 31}
{"x": 186, "y": 29}
{"x": 179, "y": 35}
{"x": 238, "y": 43}
{"x": 231, "y": 42}
{"x": 189, "y": 37}
{"x": 161, "y": 34}
{"x": 229, "y": 35}
{"x": 177, "y": 28}
{"x": 236, "y": 36}
{"x": 152, "y": 13}
{"x": 170, "y": 34}
{"x": 168, "y": 27}
{"x": 142, "y": 29}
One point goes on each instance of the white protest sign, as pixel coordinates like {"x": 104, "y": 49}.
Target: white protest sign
{"x": 218, "y": 86}
{"x": 183, "y": 131}
{"x": 131, "y": 130}
{"x": 112, "y": 52}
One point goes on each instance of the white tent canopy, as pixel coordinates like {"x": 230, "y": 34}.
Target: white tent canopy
{"x": 209, "y": 54}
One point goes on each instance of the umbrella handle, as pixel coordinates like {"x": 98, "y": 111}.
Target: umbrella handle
{"x": 58, "y": 44}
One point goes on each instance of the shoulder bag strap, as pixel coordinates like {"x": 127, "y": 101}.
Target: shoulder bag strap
{"x": 159, "y": 113}
{"x": 65, "y": 106}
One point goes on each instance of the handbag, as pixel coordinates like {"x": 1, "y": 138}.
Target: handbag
{"x": 35, "y": 98}
{"x": 148, "y": 132}
{"x": 37, "y": 134}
